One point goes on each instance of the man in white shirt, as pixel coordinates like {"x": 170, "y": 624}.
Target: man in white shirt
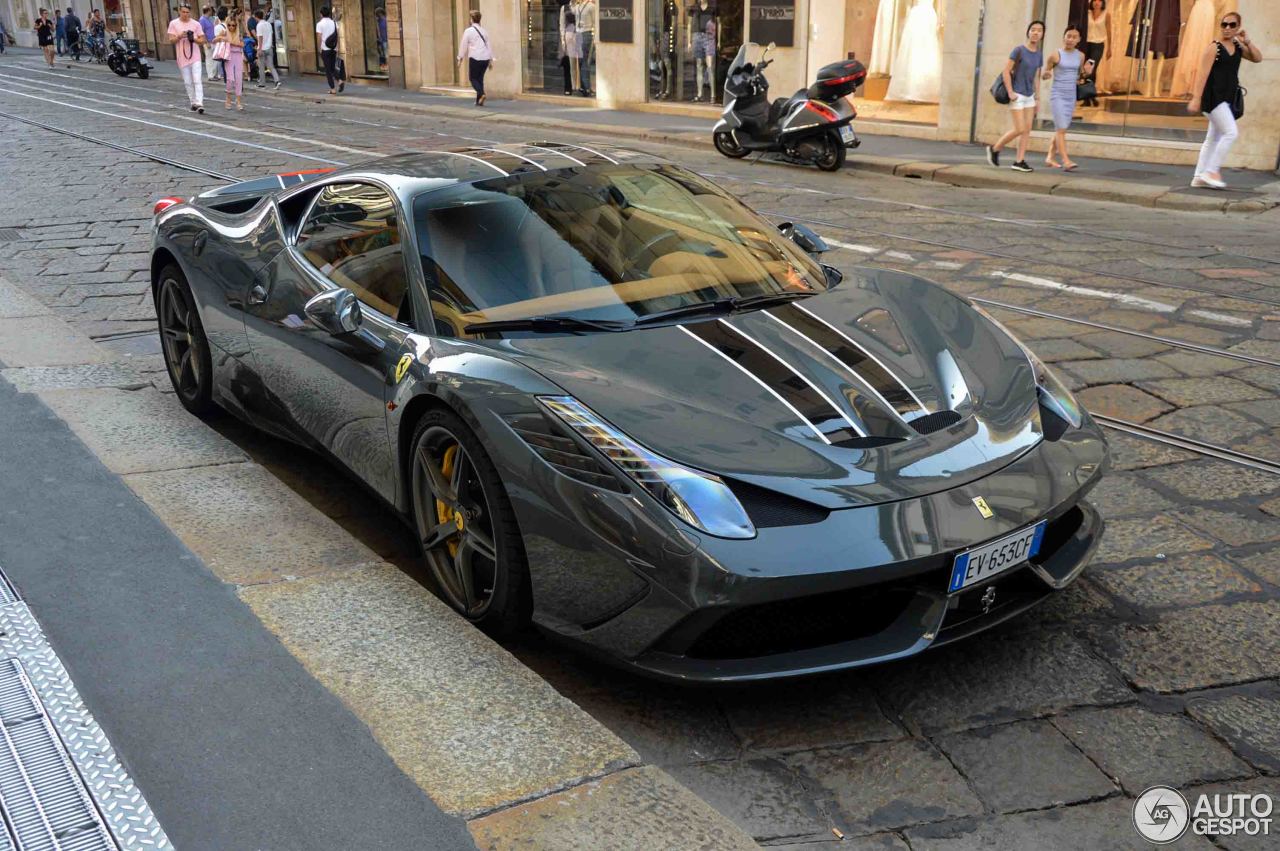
{"x": 479, "y": 55}
{"x": 327, "y": 34}
{"x": 265, "y": 33}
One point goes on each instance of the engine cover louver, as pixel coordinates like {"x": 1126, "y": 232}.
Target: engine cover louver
{"x": 936, "y": 421}
{"x": 561, "y": 451}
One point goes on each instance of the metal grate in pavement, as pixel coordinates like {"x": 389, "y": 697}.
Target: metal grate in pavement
{"x": 10, "y": 234}
{"x": 61, "y": 786}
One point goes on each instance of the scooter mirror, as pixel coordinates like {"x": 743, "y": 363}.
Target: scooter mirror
{"x": 805, "y": 237}
{"x": 773, "y": 45}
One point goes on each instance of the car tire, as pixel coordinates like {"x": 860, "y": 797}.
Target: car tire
{"x": 183, "y": 342}
{"x": 833, "y": 158}
{"x": 726, "y": 144}
{"x": 489, "y": 587}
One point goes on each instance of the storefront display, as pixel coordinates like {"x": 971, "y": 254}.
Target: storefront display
{"x": 900, "y": 41}
{"x": 560, "y": 47}
{"x": 691, "y": 45}
{"x": 1148, "y": 68}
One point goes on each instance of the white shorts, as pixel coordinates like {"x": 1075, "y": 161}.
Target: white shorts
{"x": 1022, "y": 102}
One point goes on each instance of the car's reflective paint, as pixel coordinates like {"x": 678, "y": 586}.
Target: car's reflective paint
{"x": 612, "y": 570}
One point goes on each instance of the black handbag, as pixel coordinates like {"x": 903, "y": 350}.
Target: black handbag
{"x": 1237, "y": 102}
{"x": 999, "y": 91}
{"x": 1087, "y": 90}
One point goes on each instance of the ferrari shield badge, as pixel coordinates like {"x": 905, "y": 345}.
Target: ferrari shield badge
{"x": 406, "y": 360}
{"x": 983, "y": 508}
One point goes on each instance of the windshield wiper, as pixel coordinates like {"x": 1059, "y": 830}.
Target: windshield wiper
{"x": 548, "y": 325}
{"x": 723, "y": 306}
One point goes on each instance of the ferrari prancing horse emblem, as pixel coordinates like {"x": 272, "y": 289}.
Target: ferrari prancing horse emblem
{"x": 983, "y": 508}
{"x": 406, "y": 360}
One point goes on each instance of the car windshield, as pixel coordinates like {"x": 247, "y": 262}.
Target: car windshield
{"x": 607, "y": 244}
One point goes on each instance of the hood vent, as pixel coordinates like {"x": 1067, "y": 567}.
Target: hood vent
{"x": 561, "y": 451}
{"x": 936, "y": 421}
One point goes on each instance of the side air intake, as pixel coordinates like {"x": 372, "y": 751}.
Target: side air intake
{"x": 936, "y": 421}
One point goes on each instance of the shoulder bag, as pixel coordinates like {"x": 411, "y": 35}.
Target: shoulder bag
{"x": 999, "y": 90}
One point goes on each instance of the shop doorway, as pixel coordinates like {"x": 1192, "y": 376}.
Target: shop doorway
{"x": 559, "y": 51}
{"x": 1147, "y": 51}
{"x": 900, "y": 43}
{"x": 691, "y": 46}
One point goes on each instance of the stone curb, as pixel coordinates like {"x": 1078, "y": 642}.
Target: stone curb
{"x": 471, "y": 725}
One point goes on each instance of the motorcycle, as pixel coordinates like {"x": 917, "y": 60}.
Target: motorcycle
{"x": 125, "y": 57}
{"x": 813, "y": 125}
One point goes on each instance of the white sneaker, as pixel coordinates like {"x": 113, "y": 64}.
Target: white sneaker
{"x": 1198, "y": 182}
{"x": 1211, "y": 183}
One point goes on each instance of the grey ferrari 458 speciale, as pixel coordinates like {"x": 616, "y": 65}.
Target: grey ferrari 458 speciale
{"x": 612, "y": 400}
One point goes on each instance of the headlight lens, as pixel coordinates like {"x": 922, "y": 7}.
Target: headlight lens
{"x": 700, "y": 499}
{"x": 1054, "y": 394}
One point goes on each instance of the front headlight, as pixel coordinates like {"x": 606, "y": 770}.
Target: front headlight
{"x": 700, "y": 499}
{"x": 1054, "y": 394}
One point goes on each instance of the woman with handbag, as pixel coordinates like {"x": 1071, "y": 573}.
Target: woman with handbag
{"x": 1065, "y": 67}
{"x": 1021, "y": 78}
{"x": 230, "y": 49}
{"x": 1221, "y": 99}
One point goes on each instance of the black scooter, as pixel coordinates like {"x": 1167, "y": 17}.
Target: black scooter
{"x": 813, "y": 125}
{"x": 125, "y": 58}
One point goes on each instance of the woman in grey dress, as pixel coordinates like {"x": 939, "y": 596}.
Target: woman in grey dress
{"x": 1064, "y": 67}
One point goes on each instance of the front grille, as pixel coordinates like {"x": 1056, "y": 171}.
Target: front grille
{"x": 768, "y": 509}
{"x": 786, "y": 626}
{"x": 936, "y": 421}
{"x": 561, "y": 451}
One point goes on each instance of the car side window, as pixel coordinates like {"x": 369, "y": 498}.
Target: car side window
{"x": 352, "y": 236}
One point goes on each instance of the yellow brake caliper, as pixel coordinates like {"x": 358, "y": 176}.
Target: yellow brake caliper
{"x": 443, "y": 514}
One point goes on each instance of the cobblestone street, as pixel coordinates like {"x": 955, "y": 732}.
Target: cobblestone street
{"x": 1161, "y": 665}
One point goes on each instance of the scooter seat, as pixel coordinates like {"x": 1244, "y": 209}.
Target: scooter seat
{"x": 782, "y": 106}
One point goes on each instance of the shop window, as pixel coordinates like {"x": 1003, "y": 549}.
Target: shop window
{"x": 560, "y": 47}
{"x": 690, "y": 47}
{"x": 1146, "y": 53}
{"x": 900, "y": 42}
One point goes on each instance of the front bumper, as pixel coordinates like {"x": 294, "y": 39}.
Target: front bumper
{"x": 865, "y": 585}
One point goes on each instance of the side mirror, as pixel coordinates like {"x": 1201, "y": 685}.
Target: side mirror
{"x": 773, "y": 45}
{"x": 805, "y": 237}
{"x": 336, "y": 311}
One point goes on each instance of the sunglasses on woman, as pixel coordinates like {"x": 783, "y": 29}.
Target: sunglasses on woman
{"x": 1230, "y": 25}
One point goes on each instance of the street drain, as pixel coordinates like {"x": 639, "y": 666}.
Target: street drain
{"x": 61, "y": 786}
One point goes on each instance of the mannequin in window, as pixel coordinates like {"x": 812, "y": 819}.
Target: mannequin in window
{"x": 571, "y": 50}
{"x": 1202, "y": 27}
{"x": 700, "y": 42}
{"x": 1164, "y": 26}
{"x": 664, "y": 48}
{"x": 884, "y": 44}
{"x": 585, "y": 13}
{"x": 917, "y": 69}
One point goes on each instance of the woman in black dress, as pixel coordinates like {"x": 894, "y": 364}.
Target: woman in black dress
{"x": 1217, "y": 81}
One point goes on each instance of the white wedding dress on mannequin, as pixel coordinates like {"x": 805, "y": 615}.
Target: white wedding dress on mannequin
{"x": 1201, "y": 27}
{"x": 884, "y": 46}
{"x": 917, "y": 69}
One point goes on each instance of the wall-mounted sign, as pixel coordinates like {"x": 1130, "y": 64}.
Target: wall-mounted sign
{"x": 615, "y": 21}
{"x": 773, "y": 20}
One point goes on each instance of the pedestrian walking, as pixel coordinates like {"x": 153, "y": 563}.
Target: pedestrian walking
{"x": 1065, "y": 67}
{"x": 1220, "y": 97}
{"x": 187, "y": 38}
{"x": 266, "y": 48}
{"x": 478, "y": 55}
{"x": 1097, "y": 40}
{"x": 45, "y": 29}
{"x": 4, "y": 36}
{"x": 1022, "y": 81}
{"x": 327, "y": 34}
{"x": 207, "y": 26}
{"x": 250, "y": 55}
{"x": 72, "y": 27}
{"x": 60, "y": 30}
{"x": 233, "y": 58}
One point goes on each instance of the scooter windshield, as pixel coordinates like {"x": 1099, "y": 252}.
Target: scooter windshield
{"x": 738, "y": 62}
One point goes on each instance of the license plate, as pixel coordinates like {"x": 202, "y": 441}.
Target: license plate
{"x": 982, "y": 562}
{"x": 846, "y": 134}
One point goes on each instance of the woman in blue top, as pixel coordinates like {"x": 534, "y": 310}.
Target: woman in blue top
{"x": 1022, "y": 80}
{"x": 1065, "y": 68}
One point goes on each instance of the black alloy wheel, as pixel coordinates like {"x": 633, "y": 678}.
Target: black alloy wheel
{"x": 182, "y": 339}
{"x": 466, "y": 527}
{"x": 833, "y": 152}
{"x": 728, "y": 145}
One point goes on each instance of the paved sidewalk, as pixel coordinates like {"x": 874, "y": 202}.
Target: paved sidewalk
{"x": 963, "y": 165}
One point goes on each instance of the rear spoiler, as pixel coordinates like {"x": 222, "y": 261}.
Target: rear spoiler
{"x": 234, "y": 195}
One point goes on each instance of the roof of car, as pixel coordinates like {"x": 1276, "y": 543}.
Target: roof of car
{"x": 483, "y": 163}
